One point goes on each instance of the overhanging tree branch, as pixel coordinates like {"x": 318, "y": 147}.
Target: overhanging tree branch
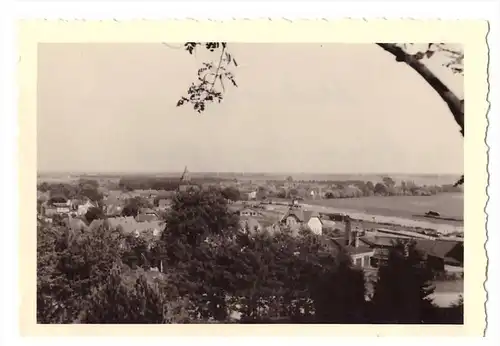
{"x": 455, "y": 105}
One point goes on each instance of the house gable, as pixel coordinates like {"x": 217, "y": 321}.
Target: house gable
{"x": 315, "y": 225}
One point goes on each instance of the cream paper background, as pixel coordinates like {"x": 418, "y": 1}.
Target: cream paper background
{"x": 472, "y": 34}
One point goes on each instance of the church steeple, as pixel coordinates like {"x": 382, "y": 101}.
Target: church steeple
{"x": 185, "y": 178}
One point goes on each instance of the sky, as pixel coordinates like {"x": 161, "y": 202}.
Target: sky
{"x": 308, "y": 107}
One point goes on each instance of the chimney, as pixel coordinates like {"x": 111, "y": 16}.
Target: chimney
{"x": 356, "y": 238}
{"x": 348, "y": 232}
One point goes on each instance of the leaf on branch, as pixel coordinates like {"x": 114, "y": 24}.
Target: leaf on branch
{"x": 190, "y": 46}
{"x": 210, "y": 75}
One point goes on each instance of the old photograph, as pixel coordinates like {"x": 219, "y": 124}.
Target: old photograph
{"x": 250, "y": 183}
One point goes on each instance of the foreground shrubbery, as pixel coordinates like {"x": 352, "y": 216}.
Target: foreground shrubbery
{"x": 211, "y": 270}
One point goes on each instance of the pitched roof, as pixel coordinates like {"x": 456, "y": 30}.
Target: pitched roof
{"x": 450, "y": 251}
{"x": 297, "y": 213}
{"x": 164, "y": 202}
{"x": 438, "y": 248}
{"x": 378, "y": 240}
{"x": 328, "y": 223}
{"x": 125, "y": 221}
{"x": 146, "y": 217}
{"x": 309, "y": 214}
{"x": 129, "y": 224}
{"x": 339, "y": 241}
{"x": 359, "y": 250}
{"x": 301, "y": 215}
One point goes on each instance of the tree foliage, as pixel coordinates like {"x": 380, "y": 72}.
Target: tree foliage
{"x": 403, "y": 289}
{"x": 212, "y": 270}
{"x": 134, "y": 205}
{"x": 94, "y": 213}
{"x": 70, "y": 265}
{"x": 231, "y": 193}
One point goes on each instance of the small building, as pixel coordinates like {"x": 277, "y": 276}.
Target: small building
{"x": 248, "y": 212}
{"x": 82, "y": 209}
{"x": 360, "y": 253}
{"x": 164, "y": 204}
{"x": 252, "y": 195}
{"x": 439, "y": 254}
{"x": 56, "y": 206}
{"x": 113, "y": 210}
{"x": 147, "y": 215}
{"x": 128, "y": 225}
{"x": 296, "y": 218}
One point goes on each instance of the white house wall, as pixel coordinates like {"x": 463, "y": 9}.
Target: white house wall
{"x": 315, "y": 225}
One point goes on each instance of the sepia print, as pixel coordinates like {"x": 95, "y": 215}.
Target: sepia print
{"x": 250, "y": 183}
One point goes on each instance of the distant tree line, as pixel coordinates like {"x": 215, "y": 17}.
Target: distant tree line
{"x": 359, "y": 188}
{"x": 210, "y": 267}
{"x": 83, "y": 188}
{"x": 161, "y": 183}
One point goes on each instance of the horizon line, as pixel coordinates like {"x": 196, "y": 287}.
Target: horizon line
{"x": 244, "y": 172}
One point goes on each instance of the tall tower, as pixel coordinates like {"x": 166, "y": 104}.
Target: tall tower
{"x": 185, "y": 178}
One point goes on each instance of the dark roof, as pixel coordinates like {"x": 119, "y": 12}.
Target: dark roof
{"x": 358, "y": 250}
{"x": 57, "y": 199}
{"x": 301, "y": 215}
{"x": 335, "y": 216}
{"x": 328, "y": 223}
{"x": 450, "y": 251}
{"x": 339, "y": 242}
{"x": 440, "y": 248}
{"x": 381, "y": 239}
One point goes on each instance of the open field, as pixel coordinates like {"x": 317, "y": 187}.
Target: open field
{"x": 398, "y": 210}
{"x": 447, "y": 204}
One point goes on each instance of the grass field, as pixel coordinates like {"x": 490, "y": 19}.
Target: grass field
{"x": 447, "y": 204}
